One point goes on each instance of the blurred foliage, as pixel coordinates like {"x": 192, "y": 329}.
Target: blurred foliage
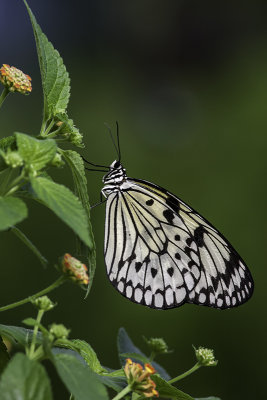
{"x": 187, "y": 83}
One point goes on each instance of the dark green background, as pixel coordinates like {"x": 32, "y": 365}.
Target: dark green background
{"x": 187, "y": 81}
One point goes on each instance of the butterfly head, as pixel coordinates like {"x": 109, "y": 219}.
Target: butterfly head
{"x": 116, "y": 174}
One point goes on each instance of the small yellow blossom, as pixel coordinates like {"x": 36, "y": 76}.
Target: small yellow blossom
{"x": 205, "y": 357}
{"x": 74, "y": 268}
{"x": 139, "y": 378}
{"x": 15, "y": 80}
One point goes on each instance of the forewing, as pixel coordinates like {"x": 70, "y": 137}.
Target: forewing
{"x": 161, "y": 253}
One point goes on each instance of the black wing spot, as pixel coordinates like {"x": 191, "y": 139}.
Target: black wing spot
{"x": 177, "y": 237}
{"x": 191, "y": 264}
{"x": 189, "y": 241}
{"x": 187, "y": 251}
{"x": 149, "y": 202}
{"x": 138, "y": 266}
{"x": 131, "y": 258}
{"x": 215, "y": 282}
{"x": 147, "y": 259}
{"x": 173, "y": 203}
{"x": 168, "y": 214}
{"x": 177, "y": 256}
{"x": 199, "y": 236}
{"x": 170, "y": 271}
{"x": 154, "y": 272}
{"x": 121, "y": 264}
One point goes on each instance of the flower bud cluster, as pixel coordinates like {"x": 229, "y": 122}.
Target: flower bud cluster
{"x": 205, "y": 357}
{"x": 59, "y": 331}
{"x": 15, "y": 80}
{"x": 157, "y": 345}
{"x": 12, "y": 158}
{"x": 43, "y": 303}
{"x": 75, "y": 270}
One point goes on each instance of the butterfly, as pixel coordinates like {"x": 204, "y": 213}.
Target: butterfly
{"x": 159, "y": 252}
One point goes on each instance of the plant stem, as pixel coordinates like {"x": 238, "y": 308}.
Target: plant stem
{"x": 50, "y": 126}
{"x": 15, "y": 184}
{"x": 35, "y": 330}
{"x": 4, "y": 94}
{"x": 38, "y": 355}
{"x": 185, "y": 374}
{"x": 123, "y": 393}
{"x": 54, "y": 285}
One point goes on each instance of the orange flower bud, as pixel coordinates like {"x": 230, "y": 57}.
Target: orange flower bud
{"x": 15, "y": 80}
{"x": 74, "y": 268}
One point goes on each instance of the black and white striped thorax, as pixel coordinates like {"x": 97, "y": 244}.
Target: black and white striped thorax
{"x": 115, "y": 179}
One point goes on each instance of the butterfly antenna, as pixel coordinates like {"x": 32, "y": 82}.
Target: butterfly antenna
{"x": 113, "y": 141}
{"x": 94, "y": 165}
{"x": 118, "y": 141}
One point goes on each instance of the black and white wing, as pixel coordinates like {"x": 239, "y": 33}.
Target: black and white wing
{"x": 160, "y": 253}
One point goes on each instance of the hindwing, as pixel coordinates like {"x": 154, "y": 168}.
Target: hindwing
{"x": 161, "y": 253}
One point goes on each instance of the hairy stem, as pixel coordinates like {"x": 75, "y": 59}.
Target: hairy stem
{"x": 53, "y": 286}
{"x": 185, "y": 374}
{"x": 35, "y": 330}
{"x": 4, "y": 94}
{"x": 123, "y": 393}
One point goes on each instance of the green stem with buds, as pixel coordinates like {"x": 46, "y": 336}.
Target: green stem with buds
{"x": 4, "y": 94}
{"x": 185, "y": 374}
{"x": 54, "y": 285}
{"x": 35, "y": 330}
{"x": 123, "y": 393}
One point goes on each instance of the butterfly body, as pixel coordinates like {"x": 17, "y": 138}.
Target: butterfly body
{"x": 160, "y": 253}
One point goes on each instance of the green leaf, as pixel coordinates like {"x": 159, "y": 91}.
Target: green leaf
{"x": 85, "y": 351}
{"x": 75, "y": 162}
{"x": 4, "y": 356}
{"x": 64, "y": 204}
{"x": 12, "y": 211}
{"x": 30, "y": 321}
{"x": 168, "y": 391}
{"x": 117, "y": 383}
{"x": 7, "y": 142}
{"x": 125, "y": 345}
{"x": 55, "y": 78}
{"x": 21, "y": 335}
{"x": 78, "y": 378}
{"x": 25, "y": 379}
{"x": 35, "y": 153}
{"x": 89, "y": 355}
{"x": 29, "y": 244}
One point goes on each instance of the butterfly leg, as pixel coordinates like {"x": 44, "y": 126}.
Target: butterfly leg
{"x": 101, "y": 200}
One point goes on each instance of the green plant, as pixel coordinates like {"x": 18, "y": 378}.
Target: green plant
{"x": 24, "y": 166}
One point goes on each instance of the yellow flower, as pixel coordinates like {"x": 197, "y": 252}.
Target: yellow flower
{"x": 74, "y": 268}
{"x": 205, "y": 357}
{"x": 15, "y": 80}
{"x": 139, "y": 378}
